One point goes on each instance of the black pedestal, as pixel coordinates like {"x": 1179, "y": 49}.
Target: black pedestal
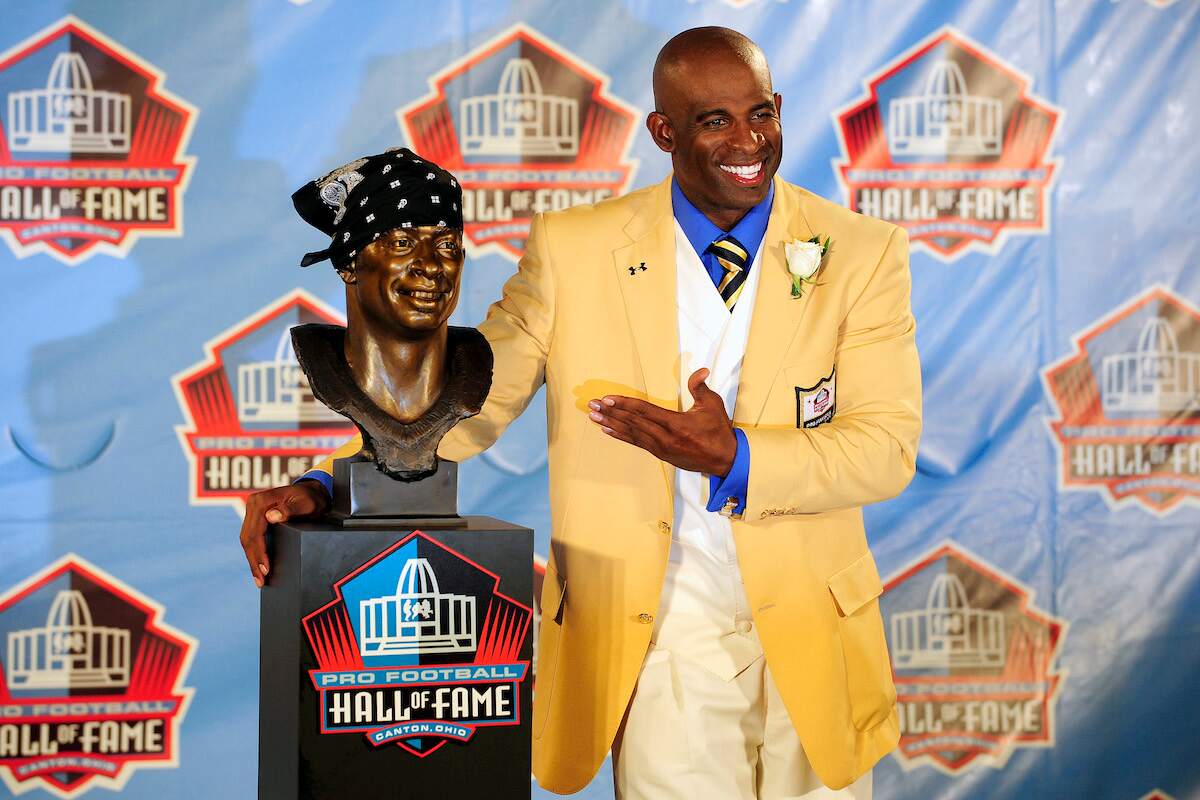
{"x": 395, "y": 660}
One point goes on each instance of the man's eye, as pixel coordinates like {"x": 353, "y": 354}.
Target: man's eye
{"x": 401, "y": 243}
{"x": 714, "y": 123}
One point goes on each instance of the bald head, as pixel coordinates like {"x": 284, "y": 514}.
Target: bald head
{"x": 697, "y": 48}
{"x": 717, "y": 114}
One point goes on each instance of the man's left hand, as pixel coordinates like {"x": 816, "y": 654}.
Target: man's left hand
{"x": 697, "y": 440}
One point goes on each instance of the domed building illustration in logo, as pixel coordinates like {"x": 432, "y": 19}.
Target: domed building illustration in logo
{"x": 94, "y": 694}
{"x": 93, "y": 151}
{"x": 528, "y": 127}
{"x": 1156, "y": 378}
{"x": 69, "y": 652}
{"x": 1126, "y": 404}
{"x": 945, "y": 120}
{"x": 251, "y": 421}
{"x": 70, "y": 115}
{"x": 947, "y": 632}
{"x": 949, "y": 142}
{"x": 278, "y": 390}
{"x": 519, "y": 119}
{"x": 418, "y": 619}
{"x": 973, "y": 659}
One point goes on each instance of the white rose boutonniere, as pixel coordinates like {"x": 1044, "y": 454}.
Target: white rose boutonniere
{"x": 804, "y": 259}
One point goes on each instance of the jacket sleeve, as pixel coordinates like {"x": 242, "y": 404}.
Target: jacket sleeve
{"x": 519, "y": 328}
{"x": 867, "y": 452}
{"x": 348, "y": 449}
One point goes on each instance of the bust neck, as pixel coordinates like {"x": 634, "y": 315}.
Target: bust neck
{"x": 403, "y": 377}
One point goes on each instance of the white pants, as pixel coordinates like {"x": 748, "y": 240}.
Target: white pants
{"x": 688, "y": 735}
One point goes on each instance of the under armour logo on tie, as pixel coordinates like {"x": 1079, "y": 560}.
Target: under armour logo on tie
{"x": 639, "y": 268}
{"x": 733, "y": 257}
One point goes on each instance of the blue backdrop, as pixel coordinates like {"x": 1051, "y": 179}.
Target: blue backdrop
{"x": 1043, "y": 570}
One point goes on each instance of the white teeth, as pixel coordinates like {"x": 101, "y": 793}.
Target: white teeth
{"x": 425, "y": 295}
{"x": 750, "y": 171}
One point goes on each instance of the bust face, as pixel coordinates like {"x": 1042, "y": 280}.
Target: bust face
{"x": 408, "y": 278}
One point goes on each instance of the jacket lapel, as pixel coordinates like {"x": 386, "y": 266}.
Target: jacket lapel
{"x": 650, "y": 298}
{"x": 777, "y": 315}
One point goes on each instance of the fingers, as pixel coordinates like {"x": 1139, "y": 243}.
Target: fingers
{"x": 614, "y": 403}
{"x": 701, "y": 394}
{"x": 634, "y": 429}
{"x": 298, "y": 500}
{"x": 253, "y": 538}
{"x": 630, "y": 428}
{"x": 633, "y": 415}
{"x": 272, "y": 507}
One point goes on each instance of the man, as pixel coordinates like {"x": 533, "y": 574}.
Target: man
{"x": 728, "y": 645}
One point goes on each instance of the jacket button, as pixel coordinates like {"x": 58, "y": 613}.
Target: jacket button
{"x": 664, "y": 526}
{"x": 645, "y": 619}
{"x": 744, "y": 626}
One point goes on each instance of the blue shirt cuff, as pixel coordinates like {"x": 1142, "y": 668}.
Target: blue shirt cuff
{"x": 319, "y": 475}
{"x": 736, "y": 482}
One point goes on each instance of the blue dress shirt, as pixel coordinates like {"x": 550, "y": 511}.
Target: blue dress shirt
{"x": 323, "y": 478}
{"x": 701, "y": 232}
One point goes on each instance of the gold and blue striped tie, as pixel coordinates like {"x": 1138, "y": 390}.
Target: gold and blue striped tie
{"x": 733, "y": 258}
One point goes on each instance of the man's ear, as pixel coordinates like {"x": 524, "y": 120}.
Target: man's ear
{"x": 346, "y": 273}
{"x": 778, "y": 103}
{"x": 661, "y": 131}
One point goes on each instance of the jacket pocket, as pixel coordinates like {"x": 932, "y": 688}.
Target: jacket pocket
{"x": 855, "y": 590}
{"x": 554, "y": 596}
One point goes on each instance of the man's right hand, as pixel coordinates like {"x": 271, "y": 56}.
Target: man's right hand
{"x": 301, "y": 499}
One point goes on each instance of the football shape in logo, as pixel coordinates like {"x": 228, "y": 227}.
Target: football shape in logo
{"x": 1128, "y": 405}
{"x": 418, "y": 648}
{"x": 252, "y": 420}
{"x": 91, "y": 146}
{"x": 973, "y": 660}
{"x": 949, "y": 144}
{"x": 91, "y": 685}
{"x": 527, "y": 127}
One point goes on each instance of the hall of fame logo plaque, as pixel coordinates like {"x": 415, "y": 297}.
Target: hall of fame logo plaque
{"x": 950, "y": 144}
{"x": 419, "y": 648}
{"x": 973, "y": 660}
{"x": 91, "y": 146}
{"x": 1127, "y": 404}
{"x": 526, "y": 126}
{"x": 91, "y": 682}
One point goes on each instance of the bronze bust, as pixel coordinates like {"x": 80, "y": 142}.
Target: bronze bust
{"x": 397, "y": 370}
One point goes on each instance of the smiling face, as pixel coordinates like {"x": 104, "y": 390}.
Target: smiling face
{"x": 408, "y": 279}
{"x": 719, "y": 120}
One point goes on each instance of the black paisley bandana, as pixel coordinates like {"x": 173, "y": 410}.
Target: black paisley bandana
{"x": 360, "y": 201}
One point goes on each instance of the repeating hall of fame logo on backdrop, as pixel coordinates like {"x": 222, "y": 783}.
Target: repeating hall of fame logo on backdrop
{"x": 973, "y": 659}
{"x": 91, "y": 682}
{"x": 949, "y": 143}
{"x": 252, "y": 421}
{"x": 1127, "y": 404}
{"x": 91, "y": 146}
{"x": 419, "y": 648}
{"x": 527, "y": 126}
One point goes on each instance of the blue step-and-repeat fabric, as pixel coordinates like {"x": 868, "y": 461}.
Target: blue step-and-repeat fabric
{"x": 1042, "y": 572}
